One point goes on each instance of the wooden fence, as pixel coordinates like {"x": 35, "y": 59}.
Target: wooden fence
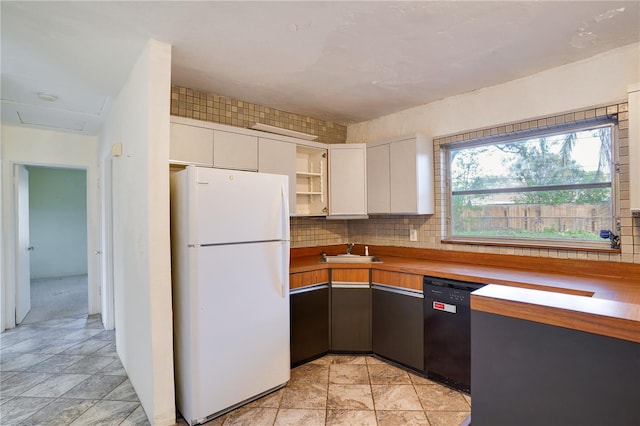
{"x": 534, "y": 217}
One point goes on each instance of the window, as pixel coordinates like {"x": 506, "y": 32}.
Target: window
{"x": 553, "y": 188}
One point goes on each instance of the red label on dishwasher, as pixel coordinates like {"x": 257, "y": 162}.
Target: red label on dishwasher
{"x": 445, "y": 307}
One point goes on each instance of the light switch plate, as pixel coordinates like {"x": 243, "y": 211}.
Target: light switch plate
{"x": 116, "y": 149}
{"x": 413, "y": 235}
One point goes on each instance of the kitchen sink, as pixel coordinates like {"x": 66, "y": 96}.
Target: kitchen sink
{"x": 349, "y": 258}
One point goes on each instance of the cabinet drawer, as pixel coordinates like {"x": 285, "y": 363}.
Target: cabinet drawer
{"x": 304, "y": 279}
{"x": 397, "y": 279}
{"x": 350, "y": 275}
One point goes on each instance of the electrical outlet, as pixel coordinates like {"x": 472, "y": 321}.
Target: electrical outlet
{"x": 413, "y": 235}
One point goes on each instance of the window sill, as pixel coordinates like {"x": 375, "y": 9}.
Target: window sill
{"x": 531, "y": 245}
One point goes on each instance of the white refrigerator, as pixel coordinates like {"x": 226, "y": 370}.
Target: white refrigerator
{"x": 230, "y": 278}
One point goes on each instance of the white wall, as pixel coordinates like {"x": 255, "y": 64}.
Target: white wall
{"x": 139, "y": 120}
{"x": 600, "y": 80}
{"x": 57, "y": 222}
{"x": 46, "y": 148}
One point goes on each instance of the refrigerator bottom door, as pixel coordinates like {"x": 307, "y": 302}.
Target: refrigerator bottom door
{"x": 240, "y": 323}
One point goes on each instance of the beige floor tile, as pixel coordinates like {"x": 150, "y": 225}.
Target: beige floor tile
{"x": 251, "y": 416}
{"x": 385, "y": 374}
{"x": 404, "y": 418}
{"x": 268, "y": 401}
{"x": 446, "y": 418}
{"x": 311, "y": 373}
{"x": 395, "y": 397}
{"x": 305, "y": 395}
{"x": 325, "y": 360}
{"x": 349, "y": 374}
{"x": 440, "y": 398}
{"x": 348, "y": 359}
{"x": 467, "y": 398}
{"x": 351, "y": 418}
{"x": 296, "y": 417}
{"x": 372, "y": 360}
{"x": 419, "y": 380}
{"x": 350, "y": 397}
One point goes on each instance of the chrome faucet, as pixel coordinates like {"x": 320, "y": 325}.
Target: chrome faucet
{"x": 350, "y": 247}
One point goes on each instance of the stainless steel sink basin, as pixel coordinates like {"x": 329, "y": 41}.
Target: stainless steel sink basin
{"x": 349, "y": 258}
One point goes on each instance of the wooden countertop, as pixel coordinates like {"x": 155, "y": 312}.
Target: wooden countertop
{"x": 602, "y": 304}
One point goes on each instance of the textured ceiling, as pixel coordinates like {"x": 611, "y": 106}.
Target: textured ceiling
{"x": 341, "y": 61}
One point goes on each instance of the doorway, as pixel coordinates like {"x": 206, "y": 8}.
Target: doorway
{"x": 57, "y": 222}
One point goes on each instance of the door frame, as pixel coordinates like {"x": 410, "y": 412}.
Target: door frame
{"x": 8, "y": 285}
{"x": 106, "y": 233}
{"x": 23, "y": 248}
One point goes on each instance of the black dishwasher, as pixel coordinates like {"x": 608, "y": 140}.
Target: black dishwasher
{"x": 447, "y": 331}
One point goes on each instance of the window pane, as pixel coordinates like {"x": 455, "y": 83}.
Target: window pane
{"x": 568, "y": 158}
{"x": 555, "y": 187}
{"x": 501, "y": 216}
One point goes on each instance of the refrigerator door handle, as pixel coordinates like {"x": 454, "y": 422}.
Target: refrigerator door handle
{"x": 284, "y": 279}
{"x": 285, "y": 212}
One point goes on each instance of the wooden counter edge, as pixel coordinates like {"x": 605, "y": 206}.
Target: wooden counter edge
{"x": 598, "y": 316}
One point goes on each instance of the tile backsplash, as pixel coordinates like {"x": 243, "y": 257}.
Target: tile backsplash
{"x": 205, "y": 106}
{"x": 394, "y": 230}
{"x": 316, "y": 231}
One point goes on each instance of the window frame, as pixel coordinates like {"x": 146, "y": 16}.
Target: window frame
{"x": 524, "y": 242}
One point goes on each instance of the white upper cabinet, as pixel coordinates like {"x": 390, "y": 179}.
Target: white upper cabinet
{"x": 191, "y": 144}
{"x": 209, "y": 144}
{"x": 634, "y": 147}
{"x": 378, "y": 179}
{"x": 347, "y": 181}
{"x": 235, "y": 151}
{"x": 279, "y": 157}
{"x": 411, "y": 167}
{"x": 402, "y": 173}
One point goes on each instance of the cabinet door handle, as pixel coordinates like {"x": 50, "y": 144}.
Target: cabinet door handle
{"x": 397, "y": 290}
{"x": 346, "y": 284}
{"x": 309, "y": 288}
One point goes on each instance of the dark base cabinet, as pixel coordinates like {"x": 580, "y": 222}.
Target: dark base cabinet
{"x": 351, "y": 319}
{"x": 309, "y": 323}
{"x": 528, "y": 374}
{"x": 398, "y": 325}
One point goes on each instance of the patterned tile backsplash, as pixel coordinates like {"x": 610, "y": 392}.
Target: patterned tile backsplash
{"x": 394, "y": 230}
{"x": 204, "y": 106}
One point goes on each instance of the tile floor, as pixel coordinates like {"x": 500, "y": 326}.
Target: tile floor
{"x": 353, "y": 390}
{"x": 65, "y": 372}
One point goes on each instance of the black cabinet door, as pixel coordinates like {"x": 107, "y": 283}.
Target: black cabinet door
{"x": 398, "y": 326}
{"x": 351, "y": 319}
{"x": 309, "y": 324}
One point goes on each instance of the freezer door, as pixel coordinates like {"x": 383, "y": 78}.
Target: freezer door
{"x": 231, "y": 206}
{"x": 240, "y": 323}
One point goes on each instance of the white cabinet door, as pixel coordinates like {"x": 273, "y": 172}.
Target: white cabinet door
{"x": 347, "y": 180}
{"x": 411, "y": 172}
{"x": 403, "y": 184}
{"x": 191, "y": 144}
{"x": 235, "y": 151}
{"x": 378, "y": 196}
{"x": 278, "y": 157}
